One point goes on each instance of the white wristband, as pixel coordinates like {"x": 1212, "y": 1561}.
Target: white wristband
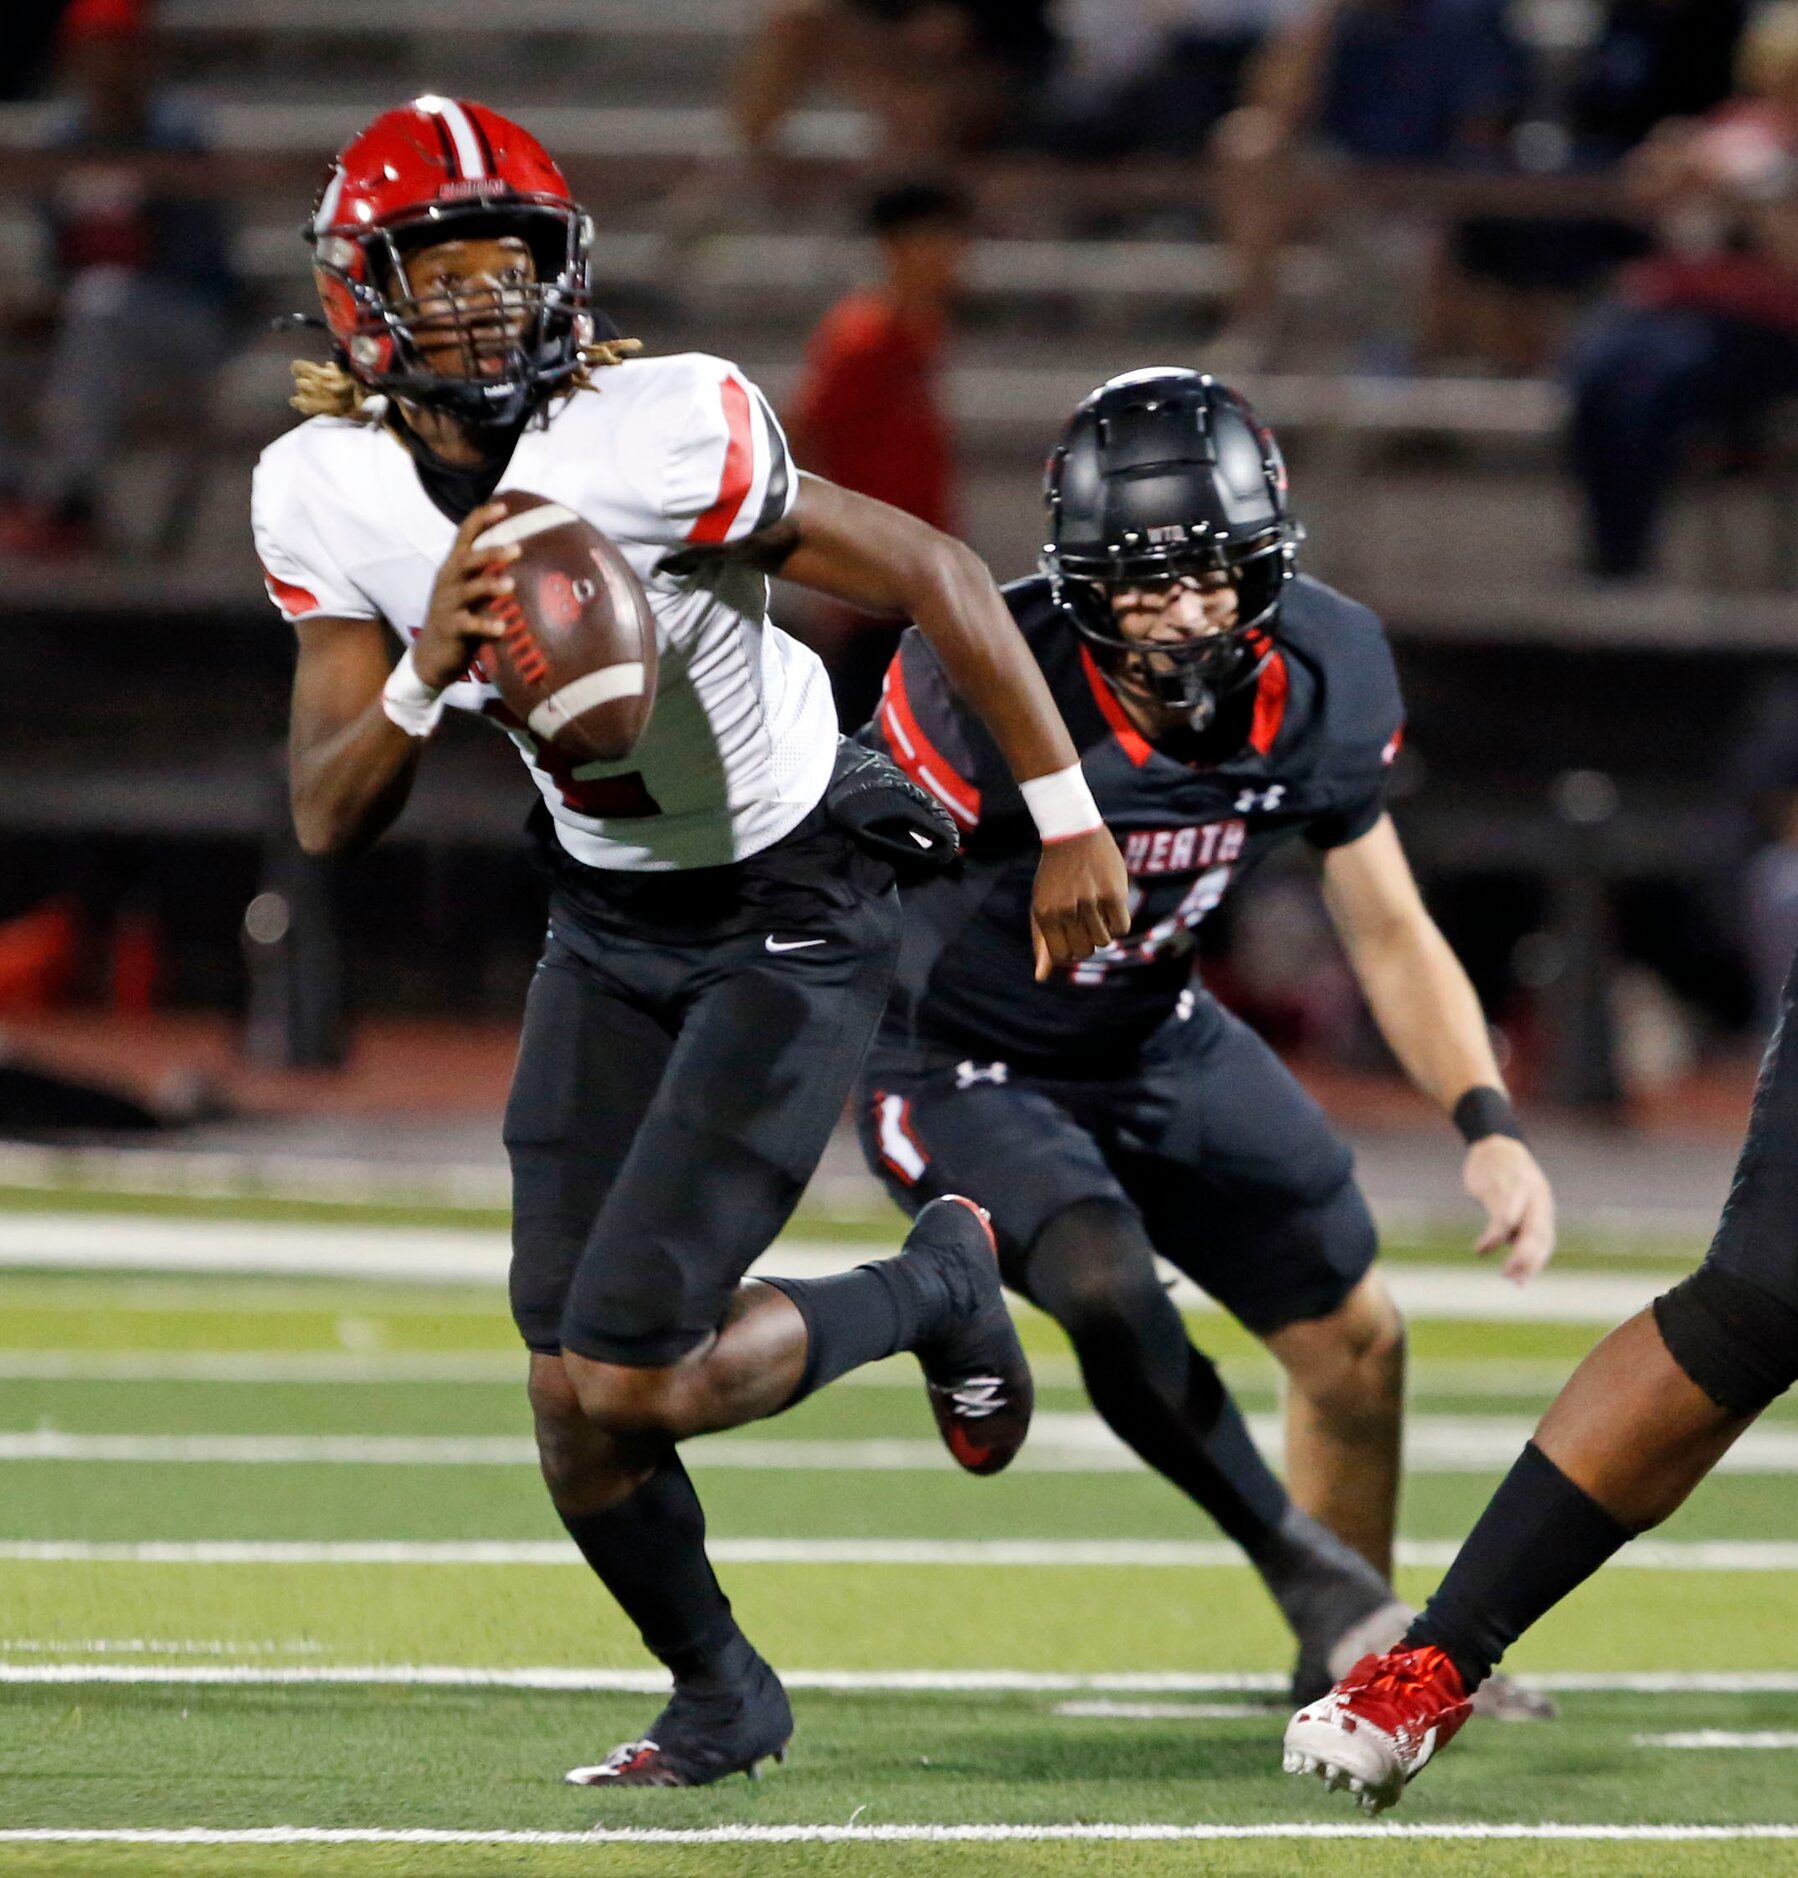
{"x": 1061, "y": 805}
{"x": 409, "y": 701}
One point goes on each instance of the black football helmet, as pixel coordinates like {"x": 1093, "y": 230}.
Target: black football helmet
{"x": 1164, "y": 475}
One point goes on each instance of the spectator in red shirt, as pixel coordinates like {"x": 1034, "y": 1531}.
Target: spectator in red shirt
{"x": 868, "y": 411}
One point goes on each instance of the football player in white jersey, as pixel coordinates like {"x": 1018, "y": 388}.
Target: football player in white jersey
{"x": 722, "y": 928}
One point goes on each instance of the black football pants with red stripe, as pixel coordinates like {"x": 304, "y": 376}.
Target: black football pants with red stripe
{"x": 689, "y": 1042}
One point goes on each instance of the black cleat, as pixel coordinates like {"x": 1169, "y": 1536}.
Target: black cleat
{"x": 974, "y": 1368}
{"x": 702, "y": 1736}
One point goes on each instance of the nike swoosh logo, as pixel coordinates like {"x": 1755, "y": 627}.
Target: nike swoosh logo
{"x": 923, "y": 841}
{"x": 792, "y": 945}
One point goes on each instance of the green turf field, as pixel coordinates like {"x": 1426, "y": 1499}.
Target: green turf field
{"x": 273, "y": 1556}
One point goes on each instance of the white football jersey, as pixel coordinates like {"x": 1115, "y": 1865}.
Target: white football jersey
{"x": 665, "y": 453}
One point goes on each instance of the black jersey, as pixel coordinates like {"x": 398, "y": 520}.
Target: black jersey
{"x": 1317, "y": 737}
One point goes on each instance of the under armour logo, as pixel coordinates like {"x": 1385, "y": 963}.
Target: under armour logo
{"x": 1252, "y": 799}
{"x": 969, "y": 1073}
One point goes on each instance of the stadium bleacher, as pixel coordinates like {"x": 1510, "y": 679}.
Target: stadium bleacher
{"x": 1439, "y": 499}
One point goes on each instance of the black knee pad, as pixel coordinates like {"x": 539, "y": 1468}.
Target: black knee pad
{"x": 1738, "y": 1343}
{"x": 1092, "y": 1266}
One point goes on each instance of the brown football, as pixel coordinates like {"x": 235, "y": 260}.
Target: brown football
{"x": 577, "y": 662}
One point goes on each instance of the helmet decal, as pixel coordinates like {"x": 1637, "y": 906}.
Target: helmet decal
{"x": 465, "y": 143}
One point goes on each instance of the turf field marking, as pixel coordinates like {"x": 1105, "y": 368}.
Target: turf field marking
{"x": 237, "y": 1294}
{"x": 1474, "y": 1376}
{"x": 878, "y": 1835}
{"x": 1063, "y": 1441}
{"x": 266, "y": 1366}
{"x": 842, "y": 1681}
{"x": 155, "y": 1646}
{"x": 127, "y": 1242}
{"x": 1700, "y": 1555}
{"x": 1164, "y": 1711}
{"x": 405, "y": 1366}
{"x": 1719, "y": 1738}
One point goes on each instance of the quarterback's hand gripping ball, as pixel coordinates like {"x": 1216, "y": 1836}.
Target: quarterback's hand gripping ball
{"x": 577, "y": 659}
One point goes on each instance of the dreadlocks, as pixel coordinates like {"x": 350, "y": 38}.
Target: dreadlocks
{"x": 332, "y": 391}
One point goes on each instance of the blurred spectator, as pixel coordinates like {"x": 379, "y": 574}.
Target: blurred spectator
{"x": 867, "y": 412}
{"x": 37, "y": 955}
{"x": 1516, "y": 280}
{"x": 939, "y": 77}
{"x": 27, "y": 30}
{"x": 1704, "y": 333}
{"x": 1651, "y": 60}
{"x": 1413, "y": 82}
{"x": 144, "y": 288}
{"x": 1152, "y": 77}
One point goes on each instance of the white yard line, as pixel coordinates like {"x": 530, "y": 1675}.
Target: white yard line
{"x": 483, "y": 1367}
{"x": 1658, "y": 1555}
{"x": 263, "y": 1367}
{"x": 184, "y": 1173}
{"x": 841, "y": 1681}
{"x": 1165, "y": 1711}
{"x": 125, "y": 1242}
{"x": 1429, "y": 1378}
{"x": 885, "y": 1835}
{"x": 154, "y": 1646}
{"x": 1706, "y": 1738}
{"x": 129, "y": 1242}
{"x": 1062, "y": 1441}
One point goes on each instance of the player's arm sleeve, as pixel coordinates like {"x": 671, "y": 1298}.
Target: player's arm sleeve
{"x": 926, "y": 729}
{"x": 298, "y": 570}
{"x": 726, "y": 471}
{"x": 1370, "y": 738}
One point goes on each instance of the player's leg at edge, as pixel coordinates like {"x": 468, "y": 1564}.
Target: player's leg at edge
{"x": 1092, "y": 1268}
{"x": 606, "y": 1435}
{"x": 1640, "y": 1423}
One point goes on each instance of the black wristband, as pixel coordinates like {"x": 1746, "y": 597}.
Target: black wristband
{"x": 1484, "y": 1111}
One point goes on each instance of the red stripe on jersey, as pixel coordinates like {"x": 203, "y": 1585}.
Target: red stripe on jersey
{"x": 921, "y": 760}
{"x": 739, "y": 468}
{"x": 293, "y": 601}
{"x": 1270, "y": 704}
{"x": 1136, "y": 745}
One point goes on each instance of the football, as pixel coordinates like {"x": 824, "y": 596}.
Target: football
{"x": 577, "y": 661}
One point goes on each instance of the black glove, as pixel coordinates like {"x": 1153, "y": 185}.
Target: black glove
{"x": 888, "y": 816}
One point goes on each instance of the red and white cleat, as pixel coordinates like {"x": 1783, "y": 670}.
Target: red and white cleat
{"x": 1380, "y": 1726}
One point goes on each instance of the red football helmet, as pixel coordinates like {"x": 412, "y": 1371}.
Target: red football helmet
{"x": 442, "y": 169}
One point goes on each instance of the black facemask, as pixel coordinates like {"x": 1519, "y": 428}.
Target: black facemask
{"x": 1191, "y": 676}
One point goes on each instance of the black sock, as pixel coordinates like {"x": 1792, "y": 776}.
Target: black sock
{"x": 649, "y": 1552}
{"x": 855, "y": 1318}
{"x": 1539, "y": 1538}
{"x": 1093, "y": 1270}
